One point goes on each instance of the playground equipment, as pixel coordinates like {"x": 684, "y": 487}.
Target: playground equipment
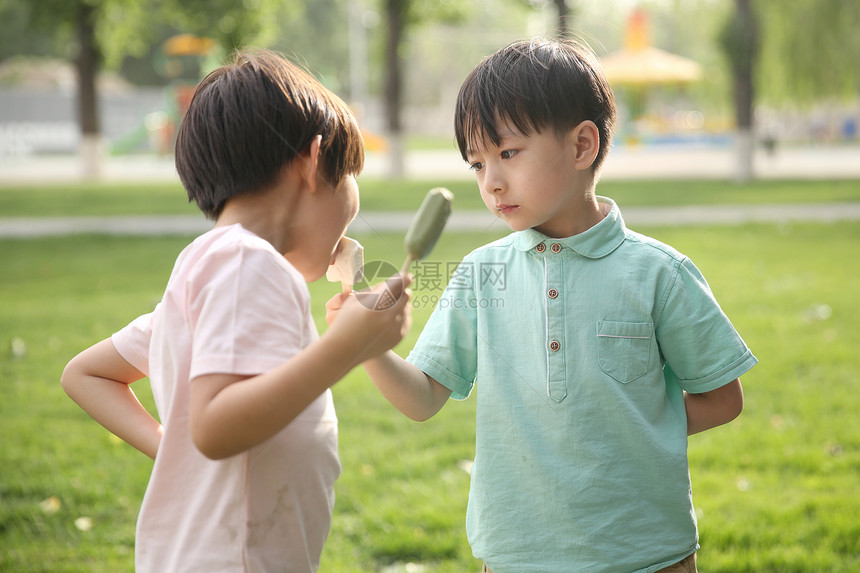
{"x": 639, "y": 67}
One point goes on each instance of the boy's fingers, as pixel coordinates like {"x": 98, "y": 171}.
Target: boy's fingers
{"x": 337, "y": 300}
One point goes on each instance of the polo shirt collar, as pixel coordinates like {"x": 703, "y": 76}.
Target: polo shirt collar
{"x": 594, "y": 243}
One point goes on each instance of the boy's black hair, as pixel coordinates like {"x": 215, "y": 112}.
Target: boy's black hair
{"x": 534, "y": 85}
{"x": 249, "y": 119}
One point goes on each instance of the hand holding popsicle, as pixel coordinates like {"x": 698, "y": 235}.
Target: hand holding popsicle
{"x": 427, "y": 225}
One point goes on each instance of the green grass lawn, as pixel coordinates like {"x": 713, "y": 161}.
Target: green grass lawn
{"x": 776, "y": 490}
{"x": 376, "y": 194}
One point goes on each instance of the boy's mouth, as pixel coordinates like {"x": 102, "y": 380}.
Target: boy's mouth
{"x": 505, "y": 209}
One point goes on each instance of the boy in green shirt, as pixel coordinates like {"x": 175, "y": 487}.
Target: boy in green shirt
{"x": 596, "y": 350}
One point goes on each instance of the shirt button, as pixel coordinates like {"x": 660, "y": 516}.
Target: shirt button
{"x": 552, "y": 293}
{"x": 540, "y": 247}
{"x": 556, "y": 247}
{"x": 554, "y": 345}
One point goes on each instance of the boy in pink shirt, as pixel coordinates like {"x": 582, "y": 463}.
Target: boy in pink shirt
{"x": 246, "y": 451}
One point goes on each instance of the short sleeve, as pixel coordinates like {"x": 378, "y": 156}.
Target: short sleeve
{"x": 247, "y": 310}
{"x": 447, "y": 348}
{"x": 696, "y": 338}
{"x": 132, "y": 342}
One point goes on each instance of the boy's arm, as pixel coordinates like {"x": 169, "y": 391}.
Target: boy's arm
{"x": 710, "y": 409}
{"x": 98, "y": 380}
{"x": 409, "y": 389}
{"x": 230, "y": 414}
{"x": 415, "y": 394}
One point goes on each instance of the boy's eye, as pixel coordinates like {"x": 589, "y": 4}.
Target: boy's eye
{"x": 508, "y": 153}
{"x": 476, "y": 166}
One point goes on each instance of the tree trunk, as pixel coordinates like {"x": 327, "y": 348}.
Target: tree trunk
{"x": 393, "y": 85}
{"x": 745, "y": 51}
{"x": 357, "y": 58}
{"x": 86, "y": 65}
{"x": 563, "y": 14}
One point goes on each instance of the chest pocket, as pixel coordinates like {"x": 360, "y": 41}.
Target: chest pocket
{"x": 624, "y": 349}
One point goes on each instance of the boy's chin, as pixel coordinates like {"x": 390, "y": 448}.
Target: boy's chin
{"x": 515, "y": 222}
{"x": 312, "y": 275}
{"x": 517, "y": 225}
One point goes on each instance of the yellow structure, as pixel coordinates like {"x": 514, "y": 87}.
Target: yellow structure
{"x": 188, "y": 45}
{"x": 641, "y": 64}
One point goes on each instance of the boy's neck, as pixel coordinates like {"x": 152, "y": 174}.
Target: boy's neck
{"x": 265, "y": 213}
{"x": 581, "y": 216}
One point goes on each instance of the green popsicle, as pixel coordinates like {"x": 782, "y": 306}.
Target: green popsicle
{"x": 427, "y": 225}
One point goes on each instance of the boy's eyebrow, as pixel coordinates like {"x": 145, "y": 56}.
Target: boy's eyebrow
{"x": 503, "y": 137}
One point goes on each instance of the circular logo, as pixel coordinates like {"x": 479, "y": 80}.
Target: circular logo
{"x": 376, "y": 272}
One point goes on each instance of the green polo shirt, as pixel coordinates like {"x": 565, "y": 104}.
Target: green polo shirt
{"x": 580, "y": 349}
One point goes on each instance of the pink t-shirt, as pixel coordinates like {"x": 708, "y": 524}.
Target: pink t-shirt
{"x": 232, "y": 305}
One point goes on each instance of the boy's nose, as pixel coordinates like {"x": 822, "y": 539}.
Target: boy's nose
{"x": 492, "y": 182}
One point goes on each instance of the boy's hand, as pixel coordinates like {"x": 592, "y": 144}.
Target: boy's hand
{"x": 372, "y": 321}
{"x": 367, "y": 297}
{"x": 333, "y": 306}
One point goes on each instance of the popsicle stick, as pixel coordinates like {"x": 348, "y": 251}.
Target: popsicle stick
{"x": 346, "y": 286}
{"x": 405, "y": 268}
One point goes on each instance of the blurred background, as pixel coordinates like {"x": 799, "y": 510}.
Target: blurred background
{"x": 88, "y": 83}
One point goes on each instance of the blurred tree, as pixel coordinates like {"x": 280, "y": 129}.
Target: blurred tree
{"x": 565, "y": 12}
{"x": 740, "y": 42}
{"x": 563, "y": 15}
{"x": 395, "y": 16}
{"x": 18, "y": 34}
{"x": 810, "y": 51}
{"x": 798, "y": 53}
{"x": 230, "y": 23}
{"x": 103, "y": 31}
{"x": 299, "y": 27}
{"x": 399, "y": 16}
{"x": 86, "y": 65}
{"x": 76, "y": 21}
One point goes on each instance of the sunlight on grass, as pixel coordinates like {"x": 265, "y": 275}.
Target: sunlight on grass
{"x": 775, "y": 491}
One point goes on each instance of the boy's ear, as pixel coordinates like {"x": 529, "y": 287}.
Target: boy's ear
{"x": 308, "y": 163}
{"x": 586, "y": 140}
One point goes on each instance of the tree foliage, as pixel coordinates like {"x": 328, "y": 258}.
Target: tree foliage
{"x": 20, "y": 35}
{"x": 121, "y": 26}
{"x": 231, "y": 23}
{"x": 298, "y": 36}
{"x": 128, "y": 27}
{"x": 810, "y": 50}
